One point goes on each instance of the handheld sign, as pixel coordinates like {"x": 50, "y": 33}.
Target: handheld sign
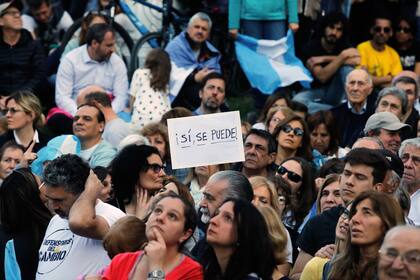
{"x": 205, "y": 140}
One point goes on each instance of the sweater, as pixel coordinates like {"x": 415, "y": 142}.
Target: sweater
{"x": 22, "y": 66}
{"x": 262, "y": 10}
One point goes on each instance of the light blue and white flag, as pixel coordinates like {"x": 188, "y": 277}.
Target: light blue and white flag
{"x": 270, "y": 64}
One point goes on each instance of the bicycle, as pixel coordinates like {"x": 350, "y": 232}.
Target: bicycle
{"x": 173, "y": 22}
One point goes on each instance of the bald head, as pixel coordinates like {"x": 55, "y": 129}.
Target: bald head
{"x": 400, "y": 241}
{"x": 368, "y": 142}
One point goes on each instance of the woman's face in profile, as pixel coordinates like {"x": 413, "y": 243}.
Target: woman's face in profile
{"x": 366, "y": 227}
{"x": 222, "y": 227}
{"x": 152, "y": 178}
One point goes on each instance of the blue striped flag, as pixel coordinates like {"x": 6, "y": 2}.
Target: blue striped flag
{"x": 270, "y": 64}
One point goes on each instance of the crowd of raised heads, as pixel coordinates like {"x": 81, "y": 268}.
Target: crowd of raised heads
{"x": 90, "y": 186}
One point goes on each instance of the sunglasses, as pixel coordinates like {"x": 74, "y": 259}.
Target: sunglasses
{"x": 378, "y": 29}
{"x": 296, "y": 131}
{"x": 404, "y": 30}
{"x": 292, "y": 176}
{"x": 156, "y": 168}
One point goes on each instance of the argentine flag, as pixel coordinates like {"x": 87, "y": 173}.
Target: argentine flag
{"x": 270, "y": 64}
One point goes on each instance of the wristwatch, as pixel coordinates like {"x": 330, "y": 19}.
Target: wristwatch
{"x": 157, "y": 274}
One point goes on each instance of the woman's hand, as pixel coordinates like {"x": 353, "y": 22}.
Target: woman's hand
{"x": 143, "y": 203}
{"x": 326, "y": 252}
{"x": 155, "y": 250}
{"x": 294, "y": 26}
{"x": 29, "y": 156}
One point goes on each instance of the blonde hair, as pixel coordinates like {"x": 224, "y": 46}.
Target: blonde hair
{"x": 260, "y": 181}
{"x": 30, "y": 104}
{"x": 276, "y": 231}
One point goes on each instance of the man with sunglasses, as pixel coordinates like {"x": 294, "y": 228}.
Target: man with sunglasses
{"x": 260, "y": 153}
{"x": 364, "y": 170}
{"x": 22, "y": 65}
{"x": 329, "y": 58}
{"x": 410, "y": 181}
{"x": 378, "y": 58}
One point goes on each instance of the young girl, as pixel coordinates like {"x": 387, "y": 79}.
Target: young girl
{"x": 150, "y": 89}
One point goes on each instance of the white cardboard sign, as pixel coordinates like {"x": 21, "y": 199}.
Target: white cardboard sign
{"x": 206, "y": 140}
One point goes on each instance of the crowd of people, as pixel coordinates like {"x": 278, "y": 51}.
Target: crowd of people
{"x": 330, "y": 183}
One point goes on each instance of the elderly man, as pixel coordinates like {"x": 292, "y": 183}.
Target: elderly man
{"x": 399, "y": 256}
{"x": 410, "y": 155}
{"x": 191, "y": 52}
{"x": 387, "y": 127}
{"x": 92, "y": 64}
{"x": 351, "y": 116}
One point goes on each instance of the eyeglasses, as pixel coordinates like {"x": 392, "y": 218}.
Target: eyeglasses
{"x": 12, "y": 13}
{"x": 11, "y": 110}
{"x": 296, "y": 131}
{"x": 403, "y": 29}
{"x": 414, "y": 159}
{"x": 292, "y": 176}
{"x": 156, "y": 168}
{"x": 411, "y": 257}
{"x": 378, "y": 29}
{"x": 345, "y": 213}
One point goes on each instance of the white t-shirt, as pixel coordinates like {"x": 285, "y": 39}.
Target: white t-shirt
{"x": 414, "y": 213}
{"x": 65, "y": 255}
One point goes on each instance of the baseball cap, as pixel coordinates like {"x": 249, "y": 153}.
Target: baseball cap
{"x": 394, "y": 161}
{"x": 385, "y": 120}
{"x": 15, "y": 3}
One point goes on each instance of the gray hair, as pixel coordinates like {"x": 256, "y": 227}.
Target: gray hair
{"x": 398, "y": 93}
{"x": 239, "y": 186}
{"x": 368, "y": 76}
{"x": 201, "y": 16}
{"x": 408, "y": 80}
{"x": 68, "y": 171}
{"x": 409, "y": 142}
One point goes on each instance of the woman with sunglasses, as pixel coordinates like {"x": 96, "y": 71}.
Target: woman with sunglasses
{"x": 292, "y": 137}
{"x": 25, "y": 121}
{"x": 298, "y": 173}
{"x": 239, "y": 248}
{"x": 24, "y": 220}
{"x": 372, "y": 214}
{"x": 137, "y": 174}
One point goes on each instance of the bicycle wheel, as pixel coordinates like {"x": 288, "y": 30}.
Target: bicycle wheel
{"x": 123, "y": 40}
{"x": 142, "y": 48}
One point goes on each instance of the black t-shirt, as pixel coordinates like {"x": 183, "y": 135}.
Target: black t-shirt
{"x": 409, "y": 57}
{"x": 315, "y": 48}
{"x": 319, "y": 231}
